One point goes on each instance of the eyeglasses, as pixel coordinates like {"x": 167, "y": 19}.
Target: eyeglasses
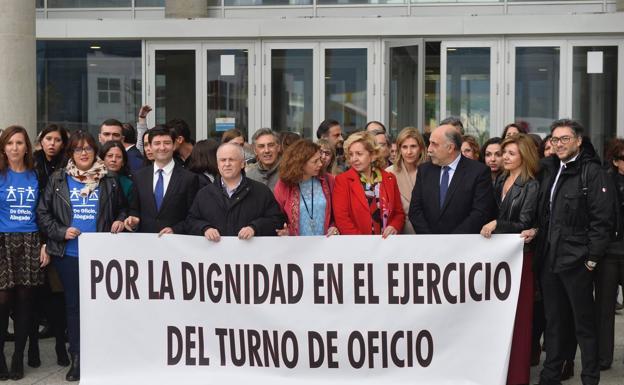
{"x": 564, "y": 139}
{"x": 325, "y": 153}
{"x": 79, "y": 150}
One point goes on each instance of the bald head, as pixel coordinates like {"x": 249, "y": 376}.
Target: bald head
{"x": 444, "y": 145}
{"x": 230, "y": 161}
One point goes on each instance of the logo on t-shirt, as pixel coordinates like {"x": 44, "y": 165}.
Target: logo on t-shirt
{"x": 84, "y": 206}
{"x": 21, "y": 201}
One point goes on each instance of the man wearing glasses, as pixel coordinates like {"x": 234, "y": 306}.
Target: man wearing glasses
{"x": 574, "y": 223}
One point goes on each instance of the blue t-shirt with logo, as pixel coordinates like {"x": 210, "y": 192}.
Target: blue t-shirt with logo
{"x": 84, "y": 212}
{"x": 19, "y": 192}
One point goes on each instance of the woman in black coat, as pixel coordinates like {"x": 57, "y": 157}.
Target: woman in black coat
{"x": 82, "y": 197}
{"x": 516, "y": 194}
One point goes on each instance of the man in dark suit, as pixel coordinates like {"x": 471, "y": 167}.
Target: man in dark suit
{"x": 453, "y": 194}
{"x": 135, "y": 158}
{"x": 164, "y": 192}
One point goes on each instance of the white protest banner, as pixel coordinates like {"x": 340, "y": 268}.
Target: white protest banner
{"x": 311, "y": 310}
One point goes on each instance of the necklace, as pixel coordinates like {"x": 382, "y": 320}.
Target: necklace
{"x": 310, "y": 212}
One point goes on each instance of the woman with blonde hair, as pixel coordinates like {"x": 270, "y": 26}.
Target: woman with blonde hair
{"x": 366, "y": 198}
{"x": 516, "y": 195}
{"x": 411, "y": 152}
{"x": 328, "y": 157}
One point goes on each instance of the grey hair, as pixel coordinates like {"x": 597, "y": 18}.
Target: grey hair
{"x": 454, "y": 137}
{"x": 455, "y": 122}
{"x": 238, "y": 148}
{"x": 384, "y": 133}
{"x": 262, "y": 132}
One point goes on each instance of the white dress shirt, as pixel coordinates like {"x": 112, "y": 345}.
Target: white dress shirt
{"x": 452, "y": 167}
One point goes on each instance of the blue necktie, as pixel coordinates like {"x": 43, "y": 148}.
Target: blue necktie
{"x": 444, "y": 184}
{"x": 159, "y": 191}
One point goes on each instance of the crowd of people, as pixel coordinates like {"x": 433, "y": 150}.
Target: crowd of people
{"x": 556, "y": 193}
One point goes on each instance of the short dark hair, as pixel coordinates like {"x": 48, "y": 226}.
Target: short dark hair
{"x": 129, "y": 133}
{"x": 106, "y": 147}
{"x": 55, "y": 128}
{"x": 76, "y": 138}
{"x": 575, "y": 125}
{"x": 112, "y": 122}
{"x": 323, "y": 128}
{"x": 159, "y": 131}
{"x": 455, "y": 122}
{"x": 383, "y": 127}
{"x": 181, "y": 128}
{"x": 521, "y": 129}
{"x": 203, "y": 158}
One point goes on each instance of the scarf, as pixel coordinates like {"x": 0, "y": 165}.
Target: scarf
{"x": 91, "y": 178}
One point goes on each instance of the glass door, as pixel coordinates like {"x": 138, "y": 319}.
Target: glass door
{"x": 469, "y": 86}
{"x": 596, "y": 89}
{"x": 350, "y": 85}
{"x": 172, "y": 89}
{"x": 290, "y": 77}
{"x": 535, "y": 87}
{"x": 228, "y": 88}
{"x": 402, "y": 96}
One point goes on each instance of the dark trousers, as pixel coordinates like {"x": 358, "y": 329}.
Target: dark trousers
{"x": 565, "y": 293}
{"x": 609, "y": 274}
{"x": 67, "y": 269}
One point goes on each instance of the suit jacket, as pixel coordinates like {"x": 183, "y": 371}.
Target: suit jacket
{"x": 351, "y": 209}
{"x": 468, "y": 205}
{"x": 135, "y": 159}
{"x": 176, "y": 203}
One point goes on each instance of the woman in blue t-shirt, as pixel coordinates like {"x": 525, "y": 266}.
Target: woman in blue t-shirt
{"x": 80, "y": 198}
{"x": 20, "y": 258}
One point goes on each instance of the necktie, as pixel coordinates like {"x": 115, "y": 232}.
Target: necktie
{"x": 444, "y": 182}
{"x": 159, "y": 191}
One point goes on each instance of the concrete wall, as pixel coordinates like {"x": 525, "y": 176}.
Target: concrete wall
{"x": 18, "y": 89}
{"x": 184, "y": 9}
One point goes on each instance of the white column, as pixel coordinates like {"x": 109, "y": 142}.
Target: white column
{"x": 183, "y": 9}
{"x": 18, "y": 87}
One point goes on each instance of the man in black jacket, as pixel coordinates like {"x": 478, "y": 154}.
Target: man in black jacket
{"x": 453, "y": 194}
{"x": 234, "y": 205}
{"x": 574, "y": 225}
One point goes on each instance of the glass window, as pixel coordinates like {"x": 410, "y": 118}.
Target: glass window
{"x": 403, "y": 95}
{"x": 291, "y": 91}
{"x": 80, "y": 84}
{"x": 38, "y": 3}
{"x": 231, "y": 3}
{"x": 468, "y": 89}
{"x": 89, "y": 3}
{"x": 175, "y": 87}
{"x": 432, "y": 85}
{"x": 536, "y": 98}
{"x": 594, "y": 93}
{"x": 360, "y": 2}
{"x": 346, "y": 87}
{"x": 149, "y": 3}
{"x": 228, "y": 91}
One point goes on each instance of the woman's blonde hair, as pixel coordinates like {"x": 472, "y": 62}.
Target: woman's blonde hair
{"x": 407, "y": 133}
{"x": 368, "y": 140}
{"x": 528, "y": 153}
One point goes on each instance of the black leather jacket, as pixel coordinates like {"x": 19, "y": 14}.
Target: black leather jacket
{"x": 54, "y": 212}
{"x": 517, "y": 211}
{"x": 616, "y": 247}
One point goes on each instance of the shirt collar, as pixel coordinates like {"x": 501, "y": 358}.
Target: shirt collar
{"x": 167, "y": 169}
{"x": 562, "y": 163}
{"x": 453, "y": 165}
{"x": 229, "y": 191}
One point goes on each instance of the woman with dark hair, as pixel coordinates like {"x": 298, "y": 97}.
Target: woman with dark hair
{"x": 304, "y": 191}
{"x": 203, "y": 160}
{"x": 115, "y": 158}
{"x": 148, "y": 156}
{"x": 287, "y": 138}
{"x": 233, "y": 135}
{"x": 20, "y": 257}
{"x": 610, "y": 270}
{"x": 516, "y": 194}
{"x": 470, "y": 148}
{"x": 82, "y": 197}
{"x": 513, "y": 129}
{"x": 492, "y": 156}
{"x": 366, "y": 198}
{"x": 53, "y": 140}
{"x": 546, "y": 149}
